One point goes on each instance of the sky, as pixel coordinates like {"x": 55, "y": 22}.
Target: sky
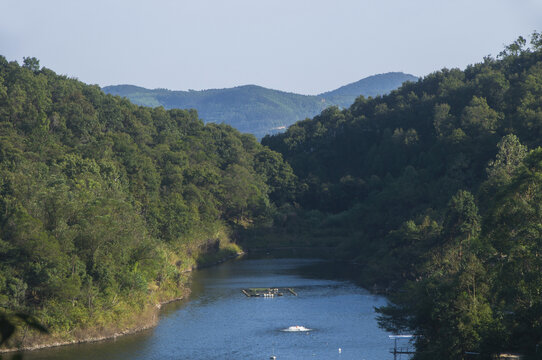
{"x": 303, "y": 46}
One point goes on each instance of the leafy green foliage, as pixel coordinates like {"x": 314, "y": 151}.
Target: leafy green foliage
{"x": 432, "y": 188}
{"x": 105, "y": 204}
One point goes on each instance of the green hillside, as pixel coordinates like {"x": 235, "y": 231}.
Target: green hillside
{"x": 436, "y": 190}
{"x": 255, "y": 109}
{"x": 105, "y": 205}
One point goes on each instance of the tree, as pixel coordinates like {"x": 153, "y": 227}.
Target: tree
{"x": 515, "y": 48}
{"x": 478, "y": 118}
{"x": 510, "y": 154}
{"x": 462, "y": 219}
{"x": 443, "y": 121}
{"x": 31, "y": 63}
{"x": 278, "y": 174}
{"x": 536, "y": 41}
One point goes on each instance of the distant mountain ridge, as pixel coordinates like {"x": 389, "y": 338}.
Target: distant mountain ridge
{"x": 258, "y": 110}
{"x": 370, "y": 86}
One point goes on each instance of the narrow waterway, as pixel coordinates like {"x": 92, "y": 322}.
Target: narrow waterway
{"x": 219, "y": 322}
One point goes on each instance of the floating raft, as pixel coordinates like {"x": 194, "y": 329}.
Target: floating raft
{"x": 267, "y": 292}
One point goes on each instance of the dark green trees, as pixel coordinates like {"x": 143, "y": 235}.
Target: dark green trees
{"x": 104, "y": 204}
{"x": 513, "y": 229}
{"x": 445, "y": 207}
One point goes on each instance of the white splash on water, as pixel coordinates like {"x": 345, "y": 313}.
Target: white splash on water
{"x": 295, "y": 328}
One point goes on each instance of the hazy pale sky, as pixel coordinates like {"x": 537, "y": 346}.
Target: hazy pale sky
{"x": 305, "y": 46}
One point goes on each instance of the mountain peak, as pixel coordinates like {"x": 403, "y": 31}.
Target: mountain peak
{"x": 373, "y": 85}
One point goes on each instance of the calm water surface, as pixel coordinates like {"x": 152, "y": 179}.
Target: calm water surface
{"x": 219, "y": 322}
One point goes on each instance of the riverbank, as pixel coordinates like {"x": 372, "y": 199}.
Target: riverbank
{"x": 146, "y": 319}
{"x": 210, "y": 324}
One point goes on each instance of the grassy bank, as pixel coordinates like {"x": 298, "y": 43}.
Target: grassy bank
{"x": 136, "y": 310}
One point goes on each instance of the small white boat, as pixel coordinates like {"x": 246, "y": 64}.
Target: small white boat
{"x": 295, "y": 328}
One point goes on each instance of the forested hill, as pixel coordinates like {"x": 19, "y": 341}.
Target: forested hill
{"x": 371, "y": 86}
{"x": 436, "y": 188}
{"x": 104, "y": 205}
{"x": 255, "y": 109}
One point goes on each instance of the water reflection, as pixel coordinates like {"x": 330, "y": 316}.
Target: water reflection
{"x": 219, "y": 322}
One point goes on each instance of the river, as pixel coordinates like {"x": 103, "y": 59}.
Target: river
{"x": 219, "y": 322}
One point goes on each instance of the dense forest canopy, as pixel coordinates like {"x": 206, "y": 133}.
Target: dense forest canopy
{"x": 105, "y": 204}
{"x": 255, "y": 109}
{"x": 435, "y": 189}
